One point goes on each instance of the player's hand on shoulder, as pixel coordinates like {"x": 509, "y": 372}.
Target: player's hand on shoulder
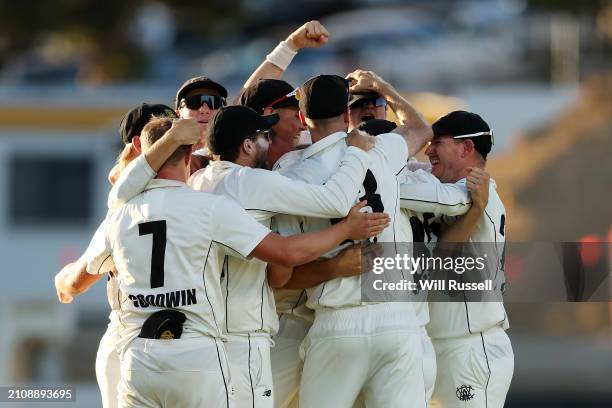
{"x": 360, "y": 139}
{"x": 185, "y": 131}
{"x": 478, "y": 186}
{"x": 310, "y": 35}
{"x": 362, "y": 225}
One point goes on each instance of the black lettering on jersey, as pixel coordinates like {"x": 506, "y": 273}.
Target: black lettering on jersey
{"x": 158, "y": 251}
{"x": 191, "y": 297}
{"x": 150, "y": 300}
{"x": 370, "y": 186}
{"x": 374, "y": 200}
{"x": 502, "y": 226}
{"x": 159, "y": 300}
{"x": 172, "y": 299}
{"x": 166, "y": 300}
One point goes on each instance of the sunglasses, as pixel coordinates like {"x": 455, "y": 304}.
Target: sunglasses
{"x": 490, "y": 133}
{"x": 378, "y": 102}
{"x": 295, "y": 94}
{"x": 195, "y": 102}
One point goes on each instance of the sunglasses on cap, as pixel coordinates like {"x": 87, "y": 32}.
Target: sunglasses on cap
{"x": 378, "y": 102}
{"x": 490, "y": 133}
{"x": 295, "y": 94}
{"x": 195, "y": 102}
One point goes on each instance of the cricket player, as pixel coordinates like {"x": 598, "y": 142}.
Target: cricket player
{"x": 365, "y": 105}
{"x": 171, "y": 318}
{"x": 474, "y": 355}
{"x": 423, "y": 199}
{"x": 341, "y": 339}
{"x": 73, "y": 279}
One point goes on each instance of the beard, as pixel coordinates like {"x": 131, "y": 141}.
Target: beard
{"x": 261, "y": 160}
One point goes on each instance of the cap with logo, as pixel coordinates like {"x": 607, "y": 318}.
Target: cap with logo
{"x": 324, "y": 96}
{"x": 265, "y": 93}
{"x": 199, "y": 82}
{"x": 466, "y": 125}
{"x": 136, "y": 119}
{"x": 233, "y": 124}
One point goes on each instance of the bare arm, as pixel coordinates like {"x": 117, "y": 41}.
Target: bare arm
{"x": 462, "y": 229}
{"x": 414, "y": 128}
{"x": 303, "y": 248}
{"x": 73, "y": 280}
{"x": 310, "y": 35}
{"x": 346, "y": 263}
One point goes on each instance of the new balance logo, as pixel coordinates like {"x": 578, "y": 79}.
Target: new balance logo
{"x": 267, "y": 393}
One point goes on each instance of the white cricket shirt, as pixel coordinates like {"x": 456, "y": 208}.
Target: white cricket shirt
{"x": 454, "y": 319}
{"x": 162, "y": 245}
{"x": 249, "y": 300}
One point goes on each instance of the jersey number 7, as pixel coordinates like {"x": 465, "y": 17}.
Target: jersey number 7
{"x": 158, "y": 251}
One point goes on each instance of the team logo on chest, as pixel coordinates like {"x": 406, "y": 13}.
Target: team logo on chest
{"x": 465, "y": 392}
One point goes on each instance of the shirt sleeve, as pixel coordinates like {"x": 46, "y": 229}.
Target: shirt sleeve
{"x": 433, "y": 197}
{"x": 271, "y": 191}
{"x": 132, "y": 181}
{"x": 395, "y": 150}
{"x": 97, "y": 256}
{"x": 235, "y": 228}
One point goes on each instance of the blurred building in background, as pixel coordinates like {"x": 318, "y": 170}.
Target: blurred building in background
{"x": 540, "y": 72}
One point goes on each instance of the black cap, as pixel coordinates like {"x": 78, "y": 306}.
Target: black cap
{"x": 459, "y": 123}
{"x": 136, "y": 119}
{"x": 359, "y": 96}
{"x": 233, "y": 124}
{"x": 268, "y": 92}
{"x": 324, "y": 96}
{"x": 199, "y": 82}
{"x": 377, "y": 127}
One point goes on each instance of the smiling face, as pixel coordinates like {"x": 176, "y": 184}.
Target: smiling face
{"x": 285, "y": 134}
{"x": 446, "y": 156}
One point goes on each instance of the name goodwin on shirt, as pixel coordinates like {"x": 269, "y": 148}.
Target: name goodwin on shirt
{"x": 184, "y": 297}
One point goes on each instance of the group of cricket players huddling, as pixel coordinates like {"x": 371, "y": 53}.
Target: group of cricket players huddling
{"x": 234, "y": 240}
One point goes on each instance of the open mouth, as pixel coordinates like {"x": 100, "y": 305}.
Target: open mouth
{"x": 434, "y": 162}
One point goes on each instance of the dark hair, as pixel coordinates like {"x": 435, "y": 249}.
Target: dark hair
{"x": 154, "y": 130}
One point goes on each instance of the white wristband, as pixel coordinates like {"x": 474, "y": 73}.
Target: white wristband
{"x": 281, "y": 56}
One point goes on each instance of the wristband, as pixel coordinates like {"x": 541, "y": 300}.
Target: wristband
{"x": 281, "y": 56}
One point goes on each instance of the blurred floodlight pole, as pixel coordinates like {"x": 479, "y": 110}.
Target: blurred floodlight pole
{"x": 564, "y": 49}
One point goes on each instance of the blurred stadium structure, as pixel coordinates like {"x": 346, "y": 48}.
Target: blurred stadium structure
{"x": 539, "y": 71}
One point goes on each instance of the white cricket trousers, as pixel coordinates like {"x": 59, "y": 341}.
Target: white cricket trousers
{"x": 108, "y": 368}
{"x": 373, "y": 349}
{"x": 286, "y": 362}
{"x": 474, "y": 371}
{"x": 429, "y": 369}
{"x": 180, "y": 373}
{"x": 429, "y": 364}
{"x": 249, "y": 360}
